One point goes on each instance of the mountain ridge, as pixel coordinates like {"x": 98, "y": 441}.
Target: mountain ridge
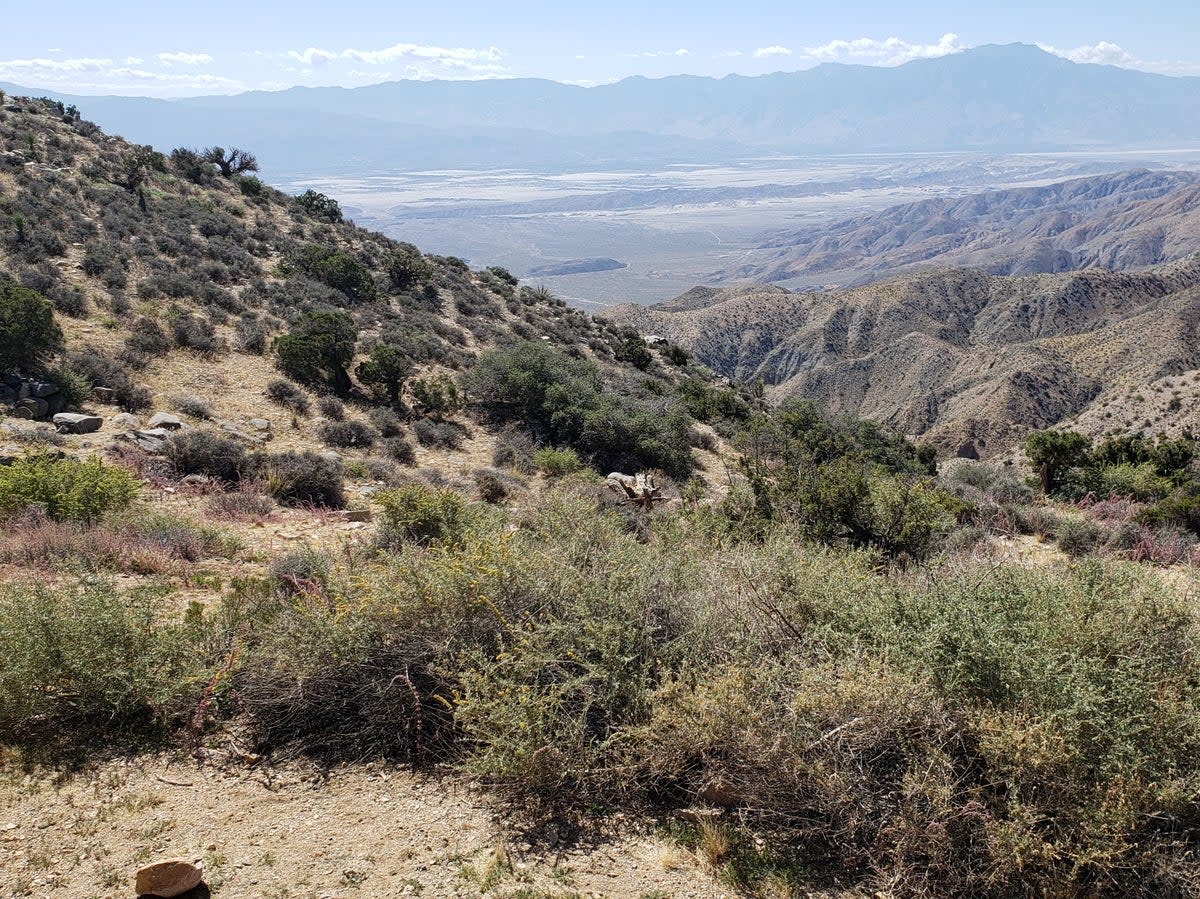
{"x": 954, "y": 355}
{"x": 1120, "y": 221}
{"x": 995, "y": 97}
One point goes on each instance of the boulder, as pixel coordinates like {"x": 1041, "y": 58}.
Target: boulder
{"x": 104, "y": 394}
{"x": 38, "y": 408}
{"x": 75, "y": 423}
{"x": 42, "y": 389}
{"x": 639, "y": 488}
{"x": 126, "y": 420}
{"x": 165, "y": 420}
{"x": 259, "y": 424}
{"x": 172, "y": 877}
{"x": 152, "y": 441}
{"x": 234, "y": 430}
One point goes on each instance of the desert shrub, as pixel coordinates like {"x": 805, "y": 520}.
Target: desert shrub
{"x": 72, "y": 302}
{"x": 418, "y": 514}
{"x": 318, "y": 350}
{"x": 193, "y": 332}
{"x": 386, "y": 422}
{"x": 493, "y": 486}
{"x": 251, "y": 334}
{"x": 515, "y": 449}
{"x": 555, "y": 463}
{"x": 406, "y": 268}
{"x": 1078, "y": 536}
{"x": 206, "y": 453}
{"x": 435, "y": 396}
{"x": 400, "y": 450}
{"x": 562, "y": 401}
{"x": 28, "y": 332}
{"x": 979, "y": 480}
{"x": 301, "y": 478}
{"x": 332, "y": 408}
{"x": 141, "y": 545}
{"x": 634, "y": 351}
{"x": 101, "y": 371}
{"x": 1181, "y": 509}
{"x": 300, "y": 570}
{"x": 440, "y": 434}
{"x": 189, "y": 404}
{"x": 85, "y": 664}
{"x": 147, "y": 338}
{"x": 320, "y": 206}
{"x": 66, "y": 489}
{"x": 1140, "y": 481}
{"x": 385, "y": 371}
{"x": 348, "y": 434}
{"x": 288, "y": 395}
{"x": 243, "y": 504}
{"x": 336, "y": 269}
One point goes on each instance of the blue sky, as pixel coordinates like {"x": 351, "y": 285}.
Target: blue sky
{"x": 156, "y": 49}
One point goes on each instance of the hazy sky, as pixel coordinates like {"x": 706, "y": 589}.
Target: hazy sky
{"x": 212, "y": 46}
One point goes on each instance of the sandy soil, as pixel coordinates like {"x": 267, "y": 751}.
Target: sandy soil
{"x": 360, "y": 831}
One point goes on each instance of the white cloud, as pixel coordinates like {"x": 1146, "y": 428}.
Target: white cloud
{"x": 776, "y": 50}
{"x": 472, "y": 61}
{"x": 184, "y": 59}
{"x": 889, "y": 52}
{"x": 1106, "y": 53}
{"x": 1103, "y": 53}
{"x": 654, "y": 54}
{"x": 90, "y": 75}
{"x": 134, "y": 60}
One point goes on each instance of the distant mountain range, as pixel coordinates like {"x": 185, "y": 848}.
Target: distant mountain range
{"x": 1122, "y": 221}
{"x": 957, "y": 356}
{"x": 994, "y": 98}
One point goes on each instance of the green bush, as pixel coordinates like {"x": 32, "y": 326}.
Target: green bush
{"x": 85, "y": 664}
{"x": 67, "y": 489}
{"x": 337, "y": 269}
{"x": 28, "y": 332}
{"x": 562, "y": 401}
{"x": 301, "y": 478}
{"x": 318, "y": 350}
{"x": 348, "y": 434}
{"x": 320, "y": 206}
{"x": 206, "y": 453}
{"x": 288, "y": 395}
{"x": 555, "y": 463}
{"x": 1078, "y": 536}
{"x": 419, "y": 514}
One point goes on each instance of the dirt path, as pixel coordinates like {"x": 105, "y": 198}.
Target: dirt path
{"x": 364, "y": 831}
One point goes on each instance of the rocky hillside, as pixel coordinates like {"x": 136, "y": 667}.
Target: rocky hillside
{"x": 183, "y": 284}
{"x": 1123, "y": 221}
{"x": 957, "y": 355}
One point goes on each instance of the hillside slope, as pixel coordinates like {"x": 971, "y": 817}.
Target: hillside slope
{"x": 957, "y": 355}
{"x": 1122, "y": 221}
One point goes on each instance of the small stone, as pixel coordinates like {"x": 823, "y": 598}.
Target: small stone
{"x": 165, "y": 420}
{"x": 75, "y": 423}
{"x": 172, "y": 877}
{"x": 259, "y": 424}
{"x": 103, "y": 394}
{"x": 355, "y": 514}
